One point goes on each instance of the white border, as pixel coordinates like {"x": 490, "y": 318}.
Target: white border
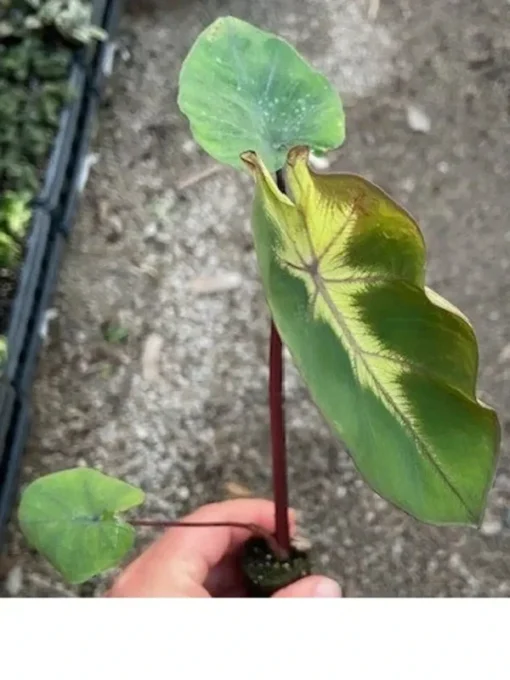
{"x": 321, "y": 639}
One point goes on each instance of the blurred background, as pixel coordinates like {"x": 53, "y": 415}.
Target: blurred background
{"x": 155, "y": 366}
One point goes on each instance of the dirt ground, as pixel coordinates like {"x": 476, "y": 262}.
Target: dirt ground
{"x": 180, "y": 408}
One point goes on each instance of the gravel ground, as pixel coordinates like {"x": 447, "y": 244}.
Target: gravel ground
{"x": 180, "y": 408}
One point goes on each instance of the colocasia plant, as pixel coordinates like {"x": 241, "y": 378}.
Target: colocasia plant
{"x": 391, "y": 365}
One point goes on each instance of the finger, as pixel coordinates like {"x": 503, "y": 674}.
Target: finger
{"x": 311, "y": 586}
{"x": 226, "y": 579}
{"x": 179, "y": 562}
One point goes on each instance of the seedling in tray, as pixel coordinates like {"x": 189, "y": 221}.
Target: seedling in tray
{"x": 37, "y": 64}
{"x": 391, "y": 365}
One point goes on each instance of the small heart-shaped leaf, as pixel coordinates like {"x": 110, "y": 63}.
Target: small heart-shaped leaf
{"x": 70, "y": 517}
{"x": 244, "y": 89}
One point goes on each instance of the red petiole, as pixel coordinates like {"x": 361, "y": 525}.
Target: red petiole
{"x": 253, "y": 528}
{"x": 277, "y": 418}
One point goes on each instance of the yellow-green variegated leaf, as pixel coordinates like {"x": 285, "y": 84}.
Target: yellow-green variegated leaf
{"x": 391, "y": 365}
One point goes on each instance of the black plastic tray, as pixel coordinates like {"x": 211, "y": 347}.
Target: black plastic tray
{"x": 43, "y": 254}
{"x": 10, "y": 467}
{"x": 83, "y": 71}
{"x": 86, "y": 54}
{"x": 106, "y": 50}
{"x": 49, "y": 195}
{"x": 79, "y": 171}
{"x": 98, "y": 12}
{"x": 37, "y": 328}
{"x": 25, "y": 292}
{"x": 7, "y": 398}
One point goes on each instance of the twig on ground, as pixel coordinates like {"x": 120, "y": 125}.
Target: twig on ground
{"x": 199, "y": 176}
{"x": 373, "y": 9}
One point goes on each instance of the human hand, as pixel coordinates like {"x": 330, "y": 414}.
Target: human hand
{"x": 202, "y": 562}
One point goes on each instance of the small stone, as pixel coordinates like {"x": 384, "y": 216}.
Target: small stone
{"x": 341, "y": 492}
{"x": 455, "y": 561}
{"x": 235, "y": 490}
{"x": 432, "y": 566}
{"x": 163, "y": 205}
{"x": 142, "y": 433}
{"x": 150, "y": 231}
{"x": 408, "y": 184}
{"x": 417, "y": 119}
{"x": 221, "y": 283}
{"x": 115, "y": 229}
{"x": 369, "y": 138}
{"x": 301, "y": 543}
{"x": 491, "y": 527}
{"x": 151, "y": 356}
{"x": 443, "y": 167}
{"x": 397, "y": 548}
{"x": 14, "y": 581}
{"x": 189, "y": 146}
{"x": 380, "y": 504}
{"x": 183, "y": 493}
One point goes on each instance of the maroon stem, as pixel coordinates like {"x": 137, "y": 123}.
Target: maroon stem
{"x": 277, "y": 418}
{"x": 278, "y": 451}
{"x": 254, "y": 528}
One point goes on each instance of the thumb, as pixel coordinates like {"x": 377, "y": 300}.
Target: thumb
{"x": 311, "y": 586}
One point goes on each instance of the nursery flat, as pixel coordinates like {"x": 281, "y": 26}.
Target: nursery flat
{"x": 43, "y": 67}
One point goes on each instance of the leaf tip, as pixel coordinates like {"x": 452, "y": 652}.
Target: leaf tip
{"x": 249, "y": 158}
{"x": 298, "y": 154}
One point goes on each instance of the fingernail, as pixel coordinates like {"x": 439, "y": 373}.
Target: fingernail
{"x": 327, "y": 588}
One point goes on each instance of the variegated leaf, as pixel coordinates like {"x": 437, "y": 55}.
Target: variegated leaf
{"x": 391, "y": 364}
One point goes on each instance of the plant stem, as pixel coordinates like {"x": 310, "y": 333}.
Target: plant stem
{"x": 278, "y": 451}
{"x": 254, "y": 528}
{"x": 277, "y": 418}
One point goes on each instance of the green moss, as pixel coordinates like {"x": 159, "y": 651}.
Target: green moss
{"x": 10, "y": 251}
{"x": 115, "y": 334}
{"x": 3, "y": 351}
{"x": 15, "y": 213}
{"x": 30, "y": 109}
{"x": 38, "y": 41}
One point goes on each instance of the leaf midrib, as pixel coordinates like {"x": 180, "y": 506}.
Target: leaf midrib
{"x": 407, "y": 424}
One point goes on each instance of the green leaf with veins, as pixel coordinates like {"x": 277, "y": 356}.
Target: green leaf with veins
{"x": 70, "y": 517}
{"x": 244, "y": 89}
{"x": 391, "y": 364}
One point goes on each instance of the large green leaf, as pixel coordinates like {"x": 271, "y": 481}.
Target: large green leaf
{"x": 391, "y": 364}
{"x": 70, "y": 518}
{"x": 243, "y": 89}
